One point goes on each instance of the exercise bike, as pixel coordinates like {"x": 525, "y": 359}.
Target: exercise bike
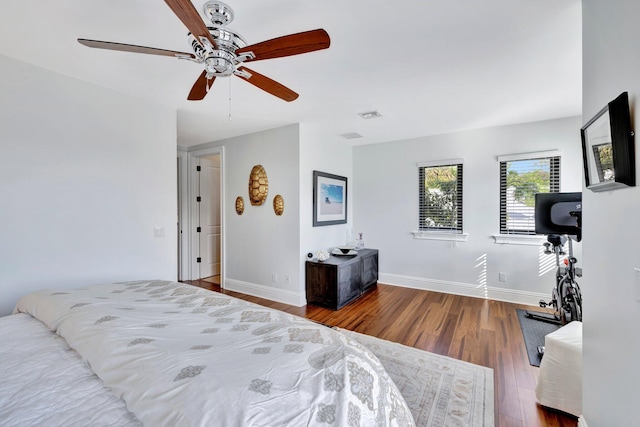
{"x": 566, "y": 297}
{"x": 559, "y": 217}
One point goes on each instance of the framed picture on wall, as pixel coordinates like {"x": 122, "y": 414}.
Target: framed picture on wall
{"x": 329, "y": 199}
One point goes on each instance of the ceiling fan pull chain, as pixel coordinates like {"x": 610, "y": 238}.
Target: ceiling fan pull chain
{"x": 229, "y": 99}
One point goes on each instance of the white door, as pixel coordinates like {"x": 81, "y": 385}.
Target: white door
{"x": 210, "y": 216}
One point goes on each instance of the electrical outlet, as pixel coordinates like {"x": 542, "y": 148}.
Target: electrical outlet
{"x": 502, "y": 277}
{"x": 274, "y": 277}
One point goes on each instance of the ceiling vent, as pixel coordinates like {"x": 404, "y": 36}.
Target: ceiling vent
{"x": 370, "y": 115}
{"x": 351, "y": 135}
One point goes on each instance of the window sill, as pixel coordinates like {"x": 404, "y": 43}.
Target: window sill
{"x": 514, "y": 239}
{"x": 440, "y": 235}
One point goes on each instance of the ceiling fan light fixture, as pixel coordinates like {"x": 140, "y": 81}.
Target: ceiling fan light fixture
{"x": 222, "y": 52}
{"x": 221, "y": 62}
{"x": 219, "y": 66}
{"x": 227, "y": 39}
{"x": 370, "y": 115}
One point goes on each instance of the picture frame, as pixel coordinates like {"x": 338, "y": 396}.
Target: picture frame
{"x": 329, "y": 199}
{"x": 608, "y": 147}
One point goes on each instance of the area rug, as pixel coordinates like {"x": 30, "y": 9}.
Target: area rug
{"x": 439, "y": 390}
{"x": 534, "y": 332}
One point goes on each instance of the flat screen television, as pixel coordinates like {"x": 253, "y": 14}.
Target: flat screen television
{"x": 553, "y": 213}
{"x": 608, "y": 148}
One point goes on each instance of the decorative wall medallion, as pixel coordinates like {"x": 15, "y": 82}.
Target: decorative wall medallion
{"x": 258, "y": 185}
{"x": 278, "y": 205}
{"x": 239, "y": 205}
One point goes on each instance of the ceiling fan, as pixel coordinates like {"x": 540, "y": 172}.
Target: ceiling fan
{"x": 223, "y": 52}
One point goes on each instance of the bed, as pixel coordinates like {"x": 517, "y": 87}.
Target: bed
{"x": 160, "y": 353}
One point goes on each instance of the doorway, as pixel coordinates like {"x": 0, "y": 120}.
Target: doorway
{"x": 201, "y": 216}
{"x": 209, "y": 224}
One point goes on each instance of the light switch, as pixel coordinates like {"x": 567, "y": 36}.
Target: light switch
{"x": 158, "y": 232}
{"x": 636, "y": 273}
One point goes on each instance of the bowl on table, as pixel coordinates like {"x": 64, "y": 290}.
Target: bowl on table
{"x": 345, "y": 249}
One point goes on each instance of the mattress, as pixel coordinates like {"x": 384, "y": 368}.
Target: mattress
{"x": 179, "y": 355}
{"x": 46, "y": 383}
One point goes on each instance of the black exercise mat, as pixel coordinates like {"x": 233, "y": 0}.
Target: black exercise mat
{"x": 534, "y": 332}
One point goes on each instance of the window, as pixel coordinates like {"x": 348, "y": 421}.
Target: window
{"x": 440, "y": 196}
{"x": 521, "y": 177}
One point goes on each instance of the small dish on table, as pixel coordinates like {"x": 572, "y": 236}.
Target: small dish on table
{"x": 344, "y": 251}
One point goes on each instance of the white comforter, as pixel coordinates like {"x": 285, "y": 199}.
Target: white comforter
{"x": 184, "y": 356}
{"x": 43, "y": 382}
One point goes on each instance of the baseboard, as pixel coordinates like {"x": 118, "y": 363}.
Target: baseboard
{"x": 582, "y": 422}
{"x": 465, "y": 289}
{"x": 456, "y": 288}
{"x": 266, "y": 292}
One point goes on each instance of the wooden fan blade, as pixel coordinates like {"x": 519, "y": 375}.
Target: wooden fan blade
{"x": 293, "y": 44}
{"x": 268, "y": 85}
{"x": 201, "y": 87}
{"x": 190, "y": 17}
{"x": 134, "y": 48}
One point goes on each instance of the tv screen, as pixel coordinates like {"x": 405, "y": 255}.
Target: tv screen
{"x": 553, "y": 213}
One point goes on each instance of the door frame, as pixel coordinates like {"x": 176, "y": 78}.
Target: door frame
{"x": 190, "y": 208}
{"x": 209, "y": 207}
{"x": 184, "y": 254}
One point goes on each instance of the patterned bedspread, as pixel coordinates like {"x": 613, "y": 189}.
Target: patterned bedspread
{"x": 45, "y": 383}
{"x": 179, "y": 355}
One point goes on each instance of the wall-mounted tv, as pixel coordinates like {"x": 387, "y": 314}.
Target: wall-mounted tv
{"x": 608, "y": 148}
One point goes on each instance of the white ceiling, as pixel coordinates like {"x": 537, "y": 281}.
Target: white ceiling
{"x": 428, "y": 66}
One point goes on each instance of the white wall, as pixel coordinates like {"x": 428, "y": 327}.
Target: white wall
{"x": 386, "y": 209}
{"x": 259, "y": 243}
{"x": 85, "y": 176}
{"x": 611, "y": 342}
{"x": 323, "y": 153}
{"x": 382, "y": 203}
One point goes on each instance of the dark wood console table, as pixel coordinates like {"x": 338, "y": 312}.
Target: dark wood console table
{"x": 341, "y": 279}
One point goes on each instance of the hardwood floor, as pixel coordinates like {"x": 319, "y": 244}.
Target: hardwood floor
{"x": 472, "y": 329}
{"x": 213, "y": 279}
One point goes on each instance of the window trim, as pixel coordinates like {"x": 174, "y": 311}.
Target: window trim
{"x": 520, "y": 237}
{"x": 529, "y": 156}
{"x": 445, "y": 162}
{"x": 440, "y": 235}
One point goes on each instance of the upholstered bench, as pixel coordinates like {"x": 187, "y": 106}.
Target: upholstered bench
{"x": 560, "y": 380}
